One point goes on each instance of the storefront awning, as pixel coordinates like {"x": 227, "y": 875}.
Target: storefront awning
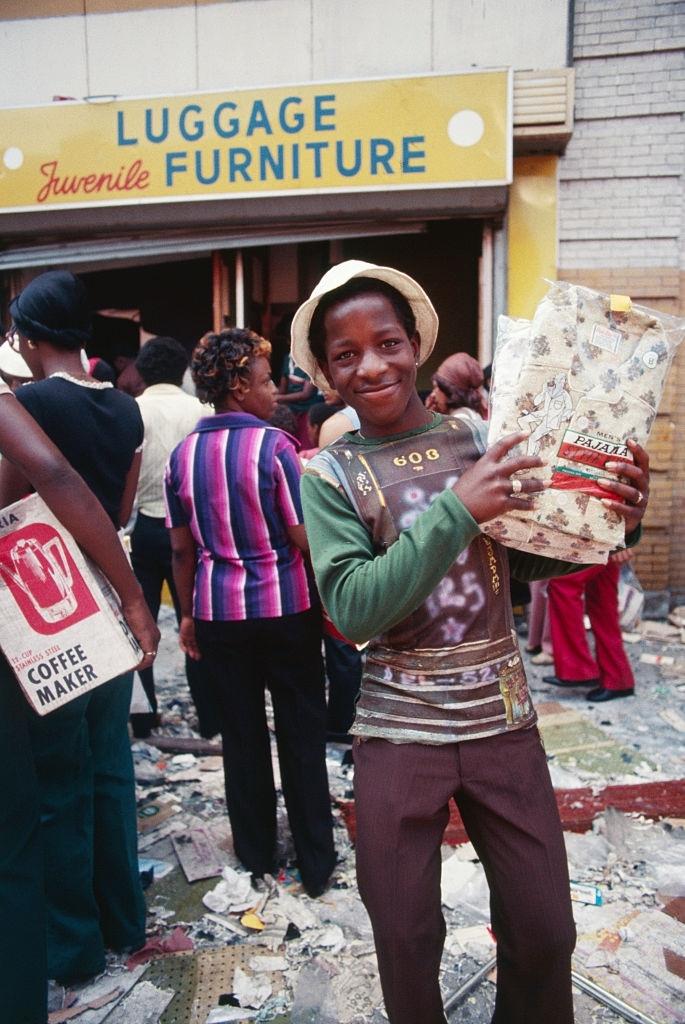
{"x": 89, "y": 254}
{"x": 171, "y": 230}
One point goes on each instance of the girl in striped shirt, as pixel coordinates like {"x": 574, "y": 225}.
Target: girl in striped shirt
{"x": 248, "y": 608}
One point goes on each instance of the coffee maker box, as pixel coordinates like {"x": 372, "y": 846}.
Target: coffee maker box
{"x": 61, "y": 626}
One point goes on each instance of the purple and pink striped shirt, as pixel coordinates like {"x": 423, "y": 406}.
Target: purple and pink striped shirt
{"x": 235, "y": 483}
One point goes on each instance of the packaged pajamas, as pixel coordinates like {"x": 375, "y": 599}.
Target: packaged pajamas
{"x": 584, "y": 376}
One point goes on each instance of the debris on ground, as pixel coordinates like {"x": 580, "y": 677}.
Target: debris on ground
{"x": 224, "y": 947}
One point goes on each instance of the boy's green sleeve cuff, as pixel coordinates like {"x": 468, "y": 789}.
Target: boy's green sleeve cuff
{"x": 460, "y": 511}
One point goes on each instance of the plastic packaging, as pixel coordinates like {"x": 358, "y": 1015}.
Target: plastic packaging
{"x": 583, "y": 377}
{"x": 631, "y": 599}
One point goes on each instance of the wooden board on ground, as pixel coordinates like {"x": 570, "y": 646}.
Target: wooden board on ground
{"x": 577, "y": 807}
{"x": 186, "y": 745}
{"x": 637, "y": 955}
{"x": 197, "y": 854}
{"x": 199, "y": 979}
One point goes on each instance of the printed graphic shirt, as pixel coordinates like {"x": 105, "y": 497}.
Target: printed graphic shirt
{"x": 235, "y": 483}
{"x": 400, "y": 562}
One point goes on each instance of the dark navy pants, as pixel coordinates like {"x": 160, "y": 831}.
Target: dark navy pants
{"x": 344, "y": 672}
{"x": 23, "y": 946}
{"x": 285, "y": 655}
{"x": 151, "y": 559}
{"x": 86, "y": 786}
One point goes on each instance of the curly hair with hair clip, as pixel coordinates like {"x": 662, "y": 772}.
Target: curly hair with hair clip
{"x": 222, "y": 362}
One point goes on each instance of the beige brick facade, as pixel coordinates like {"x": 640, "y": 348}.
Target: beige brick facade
{"x": 622, "y": 217}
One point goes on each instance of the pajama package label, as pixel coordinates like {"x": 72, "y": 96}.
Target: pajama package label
{"x": 593, "y": 451}
{"x": 63, "y": 630}
{"x": 587, "y": 457}
{"x": 607, "y": 338}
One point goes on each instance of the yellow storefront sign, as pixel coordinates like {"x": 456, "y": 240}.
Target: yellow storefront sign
{"x": 431, "y": 131}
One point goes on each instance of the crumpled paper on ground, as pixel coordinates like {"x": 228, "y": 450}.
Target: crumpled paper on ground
{"x": 232, "y": 894}
{"x": 463, "y": 884}
{"x": 226, "y": 1014}
{"x": 250, "y": 990}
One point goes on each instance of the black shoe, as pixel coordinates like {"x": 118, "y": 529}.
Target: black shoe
{"x": 601, "y": 694}
{"x": 314, "y": 891}
{"x": 142, "y": 724}
{"x": 534, "y": 650}
{"x": 556, "y": 681}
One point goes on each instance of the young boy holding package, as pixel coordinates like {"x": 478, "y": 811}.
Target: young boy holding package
{"x": 392, "y": 514}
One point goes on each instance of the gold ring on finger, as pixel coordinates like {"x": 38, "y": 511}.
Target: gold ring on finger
{"x": 516, "y": 486}
{"x": 640, "y": 496}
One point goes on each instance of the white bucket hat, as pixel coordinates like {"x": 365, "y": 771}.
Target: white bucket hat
{"x": 422, "y": 307}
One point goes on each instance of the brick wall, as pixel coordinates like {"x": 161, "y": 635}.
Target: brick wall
{"x": 622, "y": 216}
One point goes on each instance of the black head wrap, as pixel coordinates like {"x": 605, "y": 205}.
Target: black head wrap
{"x": 54, "y": 307}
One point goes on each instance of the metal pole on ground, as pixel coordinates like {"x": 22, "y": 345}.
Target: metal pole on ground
{"x": 469, "y": 985}
{"x": 613, "y": 1002}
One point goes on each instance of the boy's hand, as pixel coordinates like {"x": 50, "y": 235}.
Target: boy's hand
{"x": 487, "y": 490}
{"x": 632, "y": 487}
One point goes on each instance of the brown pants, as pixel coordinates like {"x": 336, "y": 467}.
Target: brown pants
{"x": 502, "y": 788}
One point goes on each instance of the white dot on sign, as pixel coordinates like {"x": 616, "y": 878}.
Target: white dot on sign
{"x": 650, "y": 359}
{"x": 13, "y": 158}
{"x": 465, "y": 128}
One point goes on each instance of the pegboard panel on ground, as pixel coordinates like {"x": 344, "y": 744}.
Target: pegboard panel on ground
{"x": 200, "y": 979}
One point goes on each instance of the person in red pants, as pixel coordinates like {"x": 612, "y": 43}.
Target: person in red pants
{"x": 595, "y": 591}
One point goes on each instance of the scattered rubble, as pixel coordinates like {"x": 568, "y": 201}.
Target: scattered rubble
{"x": 226, "y": 948}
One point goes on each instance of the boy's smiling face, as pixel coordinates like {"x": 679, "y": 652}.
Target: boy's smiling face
{"x": 371, "y": 363}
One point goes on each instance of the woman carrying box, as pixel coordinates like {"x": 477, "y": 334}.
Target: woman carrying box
{"x": 82, "y": 751}
{"x": 23, "y": 941}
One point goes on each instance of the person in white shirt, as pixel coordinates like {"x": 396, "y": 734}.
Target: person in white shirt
{"x": 169, "y": 414}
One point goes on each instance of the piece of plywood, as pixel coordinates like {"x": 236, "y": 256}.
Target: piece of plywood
{"x": 197, "y": 854}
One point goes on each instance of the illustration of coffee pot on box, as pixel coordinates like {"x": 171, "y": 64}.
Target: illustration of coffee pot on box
{"x": 41, "y": 571}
